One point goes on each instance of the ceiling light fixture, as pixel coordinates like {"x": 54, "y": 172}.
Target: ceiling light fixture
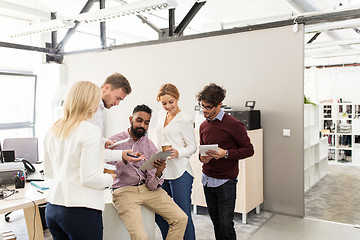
{"x": 135, "y": 8}
{"x": 52, "y": 25}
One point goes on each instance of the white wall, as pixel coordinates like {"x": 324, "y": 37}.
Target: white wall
{"x": 333, "y": 84}
{"x": 264, "y": 65}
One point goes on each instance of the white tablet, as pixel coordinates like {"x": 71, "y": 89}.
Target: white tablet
{"x": 119, "y": 142}
{"x": 204, "y": 148}
{"x": 159, "y": 155}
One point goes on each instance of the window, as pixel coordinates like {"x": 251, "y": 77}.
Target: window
{"x": 17, "y": 105}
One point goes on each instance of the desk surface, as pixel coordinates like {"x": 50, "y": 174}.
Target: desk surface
{"x": 22, "y": 199}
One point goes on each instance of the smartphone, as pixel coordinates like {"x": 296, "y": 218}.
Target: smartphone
{"x": 130, "y": 155}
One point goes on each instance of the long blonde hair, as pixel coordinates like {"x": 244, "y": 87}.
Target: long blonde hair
{"x": 82, "y": 101}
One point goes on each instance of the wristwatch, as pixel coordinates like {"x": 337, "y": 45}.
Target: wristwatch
{"x": 227, "y": 154}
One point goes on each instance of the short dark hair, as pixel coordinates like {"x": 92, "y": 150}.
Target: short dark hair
{"x": 142, "y": 108}
{"x": 117, "y": 80}
{"x": 212, "y": 94}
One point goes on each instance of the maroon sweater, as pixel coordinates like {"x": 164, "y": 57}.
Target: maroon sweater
{"x": 230, "y": 134}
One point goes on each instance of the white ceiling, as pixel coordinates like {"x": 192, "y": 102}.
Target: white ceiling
{"x": 214, "y": 15}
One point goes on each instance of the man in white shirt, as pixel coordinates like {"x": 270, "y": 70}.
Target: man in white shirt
{"x": 115, "y": 88}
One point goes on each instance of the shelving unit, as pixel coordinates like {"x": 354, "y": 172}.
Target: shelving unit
{"x": 315, "y": 148}
{"x": 340, "y": 124}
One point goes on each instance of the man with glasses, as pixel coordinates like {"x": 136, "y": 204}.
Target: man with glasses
{"x": 221, "y": 168}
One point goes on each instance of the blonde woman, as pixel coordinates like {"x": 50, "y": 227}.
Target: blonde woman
{"x": 73, "y": 158}
{"x": 177, "y": 129}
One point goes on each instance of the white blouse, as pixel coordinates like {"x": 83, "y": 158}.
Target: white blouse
{"x": 76, "y": 165}
{"x": 180, "y": 134}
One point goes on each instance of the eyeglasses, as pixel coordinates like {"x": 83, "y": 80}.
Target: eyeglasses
{"x": 206, "y": 107}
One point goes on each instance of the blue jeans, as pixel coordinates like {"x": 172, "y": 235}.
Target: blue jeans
{"x": 74, "y": 223}
{"x": 221, "y": 204}
{"x": 180, "y": 191}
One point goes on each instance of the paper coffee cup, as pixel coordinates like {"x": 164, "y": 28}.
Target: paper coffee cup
{"x": 166, "y": 147}
{"x": 108, "y": 168}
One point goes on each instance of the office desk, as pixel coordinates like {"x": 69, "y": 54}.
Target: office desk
{"x": 28, "y": 199}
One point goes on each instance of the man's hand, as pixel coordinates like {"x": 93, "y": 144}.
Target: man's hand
{"x": 109, "y": 143}
{"x": 205, "y": 159}
{"x": 160, "y": 166}
{"x": 220, "y": 153}
{"x": 126, "y": 158}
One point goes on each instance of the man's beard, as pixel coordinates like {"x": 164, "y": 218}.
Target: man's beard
{"x": 137, "y": 131}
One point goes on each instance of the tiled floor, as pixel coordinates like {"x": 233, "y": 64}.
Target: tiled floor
{"x": 203, "y": 225}
{"x": 292, "y": 228}
{"x": 337, "y": 196}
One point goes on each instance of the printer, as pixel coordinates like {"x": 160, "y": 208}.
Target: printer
{"x": 250, "y": 118}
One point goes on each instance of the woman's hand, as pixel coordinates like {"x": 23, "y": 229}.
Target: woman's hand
{"x": 174, "y": 154}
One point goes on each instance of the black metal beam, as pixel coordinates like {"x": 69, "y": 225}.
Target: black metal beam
{"x": 356, "y": 30}
{"x": 314, "y": 37}
{"x": 27, "y": 47}
{"x": 53, "y": 33}
{"x": 189, "y": 16}
{"x": 71, "y": 31}
{"x": 332, "y": 16}
{"x": 102, "y": 26}
{"x": 171, "y": 21}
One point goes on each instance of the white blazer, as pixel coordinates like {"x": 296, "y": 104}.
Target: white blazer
{"x": 76, "y": 165}
{"x": 180, "y": 134}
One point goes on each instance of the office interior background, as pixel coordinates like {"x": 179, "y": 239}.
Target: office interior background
{"x": 273, "y": 52}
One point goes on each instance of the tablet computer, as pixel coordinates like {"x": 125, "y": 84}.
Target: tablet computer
{"x": 159, "y": 155}
{"x": 204, "y": 148}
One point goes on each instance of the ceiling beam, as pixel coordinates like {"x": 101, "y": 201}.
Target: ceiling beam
{"x": 332, "y": 44}
{"x": 329, "y": 16}
{"x": 171, "y": 21}
{"x": 71, "y": 31}
{"x": 331, "y": 26}
{"x": 102, "y": 26}
{"x": 26, "y": 47}
{"x": 150, "y": 24}
{"x": 189, "y": 16}
{"x": 313, "y": 38}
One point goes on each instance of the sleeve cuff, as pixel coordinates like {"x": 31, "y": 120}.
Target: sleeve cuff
{"x": 113, "y": 155}
{"x": 161, "y": 177}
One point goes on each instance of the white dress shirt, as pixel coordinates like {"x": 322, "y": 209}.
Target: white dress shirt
{"x": 180, "y": 134}
{"x": 76, "y": 166}
{"x": 99, "y": 120}
{"x": 99, "y": 117}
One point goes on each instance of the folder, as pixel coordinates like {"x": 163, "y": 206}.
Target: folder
{"x": 42, "y": 185}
